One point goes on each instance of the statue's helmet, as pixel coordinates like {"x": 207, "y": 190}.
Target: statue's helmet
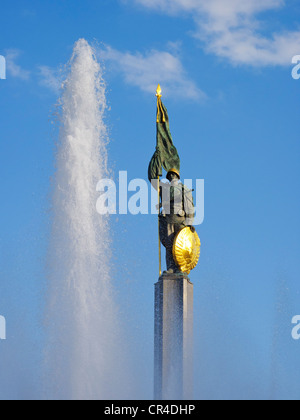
{"x": 173, "y": 171}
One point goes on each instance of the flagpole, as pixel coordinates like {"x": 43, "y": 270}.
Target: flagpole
{"x": 159, "y": 242}
{"x": 159, "y": 109}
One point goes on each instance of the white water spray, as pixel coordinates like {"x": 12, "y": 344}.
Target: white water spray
{"x": 81, "y": 355}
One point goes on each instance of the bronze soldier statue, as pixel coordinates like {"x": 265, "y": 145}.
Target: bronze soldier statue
{"x": 176, "y": 206}
{"x": 177, "y": 213}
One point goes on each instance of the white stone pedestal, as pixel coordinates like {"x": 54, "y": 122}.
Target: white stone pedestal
{"x": 173, "y": 354}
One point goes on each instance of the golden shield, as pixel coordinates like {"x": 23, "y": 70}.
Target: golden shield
{"x": 186, "y": 250}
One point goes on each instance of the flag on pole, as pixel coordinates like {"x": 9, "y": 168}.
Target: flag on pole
{"x": 166, "y": 155}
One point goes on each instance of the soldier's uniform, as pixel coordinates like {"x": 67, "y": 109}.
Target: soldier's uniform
{"x": 178, "y": 212}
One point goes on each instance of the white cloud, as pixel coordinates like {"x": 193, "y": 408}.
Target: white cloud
{"x": 47, "y": 77}
{"x": 50, "y": 78}
{"x": 232, "y": 29}
{"x": 143, "y": 71}
{"x": 223, "y": 9}
{"x": 146, "y": 71}
{"x": 14, "y": 69}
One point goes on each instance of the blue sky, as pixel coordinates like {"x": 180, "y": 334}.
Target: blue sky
{"x": 225, "y": 69}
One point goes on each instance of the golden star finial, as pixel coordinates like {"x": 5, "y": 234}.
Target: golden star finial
{"x": 158, "y": 92}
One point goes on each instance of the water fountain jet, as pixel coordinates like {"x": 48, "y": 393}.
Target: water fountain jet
{"x": 81, "y": 357}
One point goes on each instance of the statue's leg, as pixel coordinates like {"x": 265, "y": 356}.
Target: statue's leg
{"x": 168, "y": 232}
{"x": 171, "y": 265}
{"x": 164, "y": 236}
{"x": 173, "y": 229}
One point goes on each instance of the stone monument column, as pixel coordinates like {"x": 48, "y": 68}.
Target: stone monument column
{"x": 173, "y": 378}
{"x": 173, "y": 354}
